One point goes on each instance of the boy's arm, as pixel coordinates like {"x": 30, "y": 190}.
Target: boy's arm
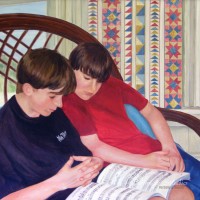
{"x": 110, "y": 154}
{"x": 163, "y": 134}
{"x": 66, "y": 178}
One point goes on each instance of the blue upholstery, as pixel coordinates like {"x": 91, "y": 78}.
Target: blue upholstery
{"x": 139, "y": 120}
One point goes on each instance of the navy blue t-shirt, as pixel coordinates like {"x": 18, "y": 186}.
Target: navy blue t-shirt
{"x": 34, "y": 149}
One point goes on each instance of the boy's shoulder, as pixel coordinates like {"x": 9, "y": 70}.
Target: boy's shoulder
{"x": 5, "y": 119}
{"x": 7, "y": 110}
{"x": 115, "y": 81}
{"x": 4, "y": 110}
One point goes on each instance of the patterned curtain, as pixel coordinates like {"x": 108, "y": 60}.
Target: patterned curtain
{"x": 145, "y": 40}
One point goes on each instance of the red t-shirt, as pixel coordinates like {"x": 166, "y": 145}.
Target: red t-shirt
{"x": 105, "y": 115}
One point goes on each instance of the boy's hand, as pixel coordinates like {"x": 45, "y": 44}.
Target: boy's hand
{"x": 91, "y": 168}
{"x": 157, "y": 160}
{"x": 176, "y": 161}
{"x": 82, "y": 174}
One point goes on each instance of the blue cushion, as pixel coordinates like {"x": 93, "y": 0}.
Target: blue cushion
{"x": 139, "y": 120}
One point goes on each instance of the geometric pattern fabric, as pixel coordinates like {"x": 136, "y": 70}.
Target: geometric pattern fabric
{"x": 154, "y": 61}
{"x": 173, "y": 54}
{"x": 140, "y": 46}
{"x": 120, "y": 27}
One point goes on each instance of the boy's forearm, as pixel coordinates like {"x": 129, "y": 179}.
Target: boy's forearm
{"x": 159, "y": 126}
{"x": 38, "y": 191}
{"x": 111, "y": 154}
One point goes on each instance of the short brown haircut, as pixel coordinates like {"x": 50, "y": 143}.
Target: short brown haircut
{"x": 92, "y": 59}
{"x": 45, "y": 68}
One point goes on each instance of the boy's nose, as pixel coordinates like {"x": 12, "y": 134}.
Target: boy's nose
{"x": 58, "y": 101}
{"x": 93, "y": 87}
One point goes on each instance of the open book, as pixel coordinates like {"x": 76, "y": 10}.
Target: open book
{"x": 124, "y": 182}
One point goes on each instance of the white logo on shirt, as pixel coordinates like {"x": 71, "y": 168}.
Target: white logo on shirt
{"x": 62, "y": 136}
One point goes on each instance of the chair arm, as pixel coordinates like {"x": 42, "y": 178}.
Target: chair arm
{"x": 182, "y": 118}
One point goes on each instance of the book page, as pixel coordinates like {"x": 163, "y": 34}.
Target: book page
{"x": 99, "y": 191}
{"x": 152, "y": 180}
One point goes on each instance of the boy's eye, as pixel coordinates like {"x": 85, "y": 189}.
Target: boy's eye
{"x": 87, "y": 78}
{"x": 52, "y": 97}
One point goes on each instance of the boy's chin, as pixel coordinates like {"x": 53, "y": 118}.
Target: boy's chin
{"x": 46, "y": 113}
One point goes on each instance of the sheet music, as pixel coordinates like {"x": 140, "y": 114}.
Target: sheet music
{"x": 122, "y": 182}
{"x": 95, "y": 191}
{"x": 159, "y": 181}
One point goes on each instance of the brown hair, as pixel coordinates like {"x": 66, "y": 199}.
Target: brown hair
{"x": 92, "y": 59}
{"x": 45, "y": 68}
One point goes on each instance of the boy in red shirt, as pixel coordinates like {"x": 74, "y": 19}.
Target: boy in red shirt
{"x": 97, "y": 111}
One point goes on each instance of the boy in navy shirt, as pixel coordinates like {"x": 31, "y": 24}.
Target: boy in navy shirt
{"x": 41, "y": 152}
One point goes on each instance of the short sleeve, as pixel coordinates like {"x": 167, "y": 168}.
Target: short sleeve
{"x": 133, "y": 97}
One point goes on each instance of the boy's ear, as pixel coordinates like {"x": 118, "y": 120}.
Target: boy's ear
{"x": 27, "y": 89}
